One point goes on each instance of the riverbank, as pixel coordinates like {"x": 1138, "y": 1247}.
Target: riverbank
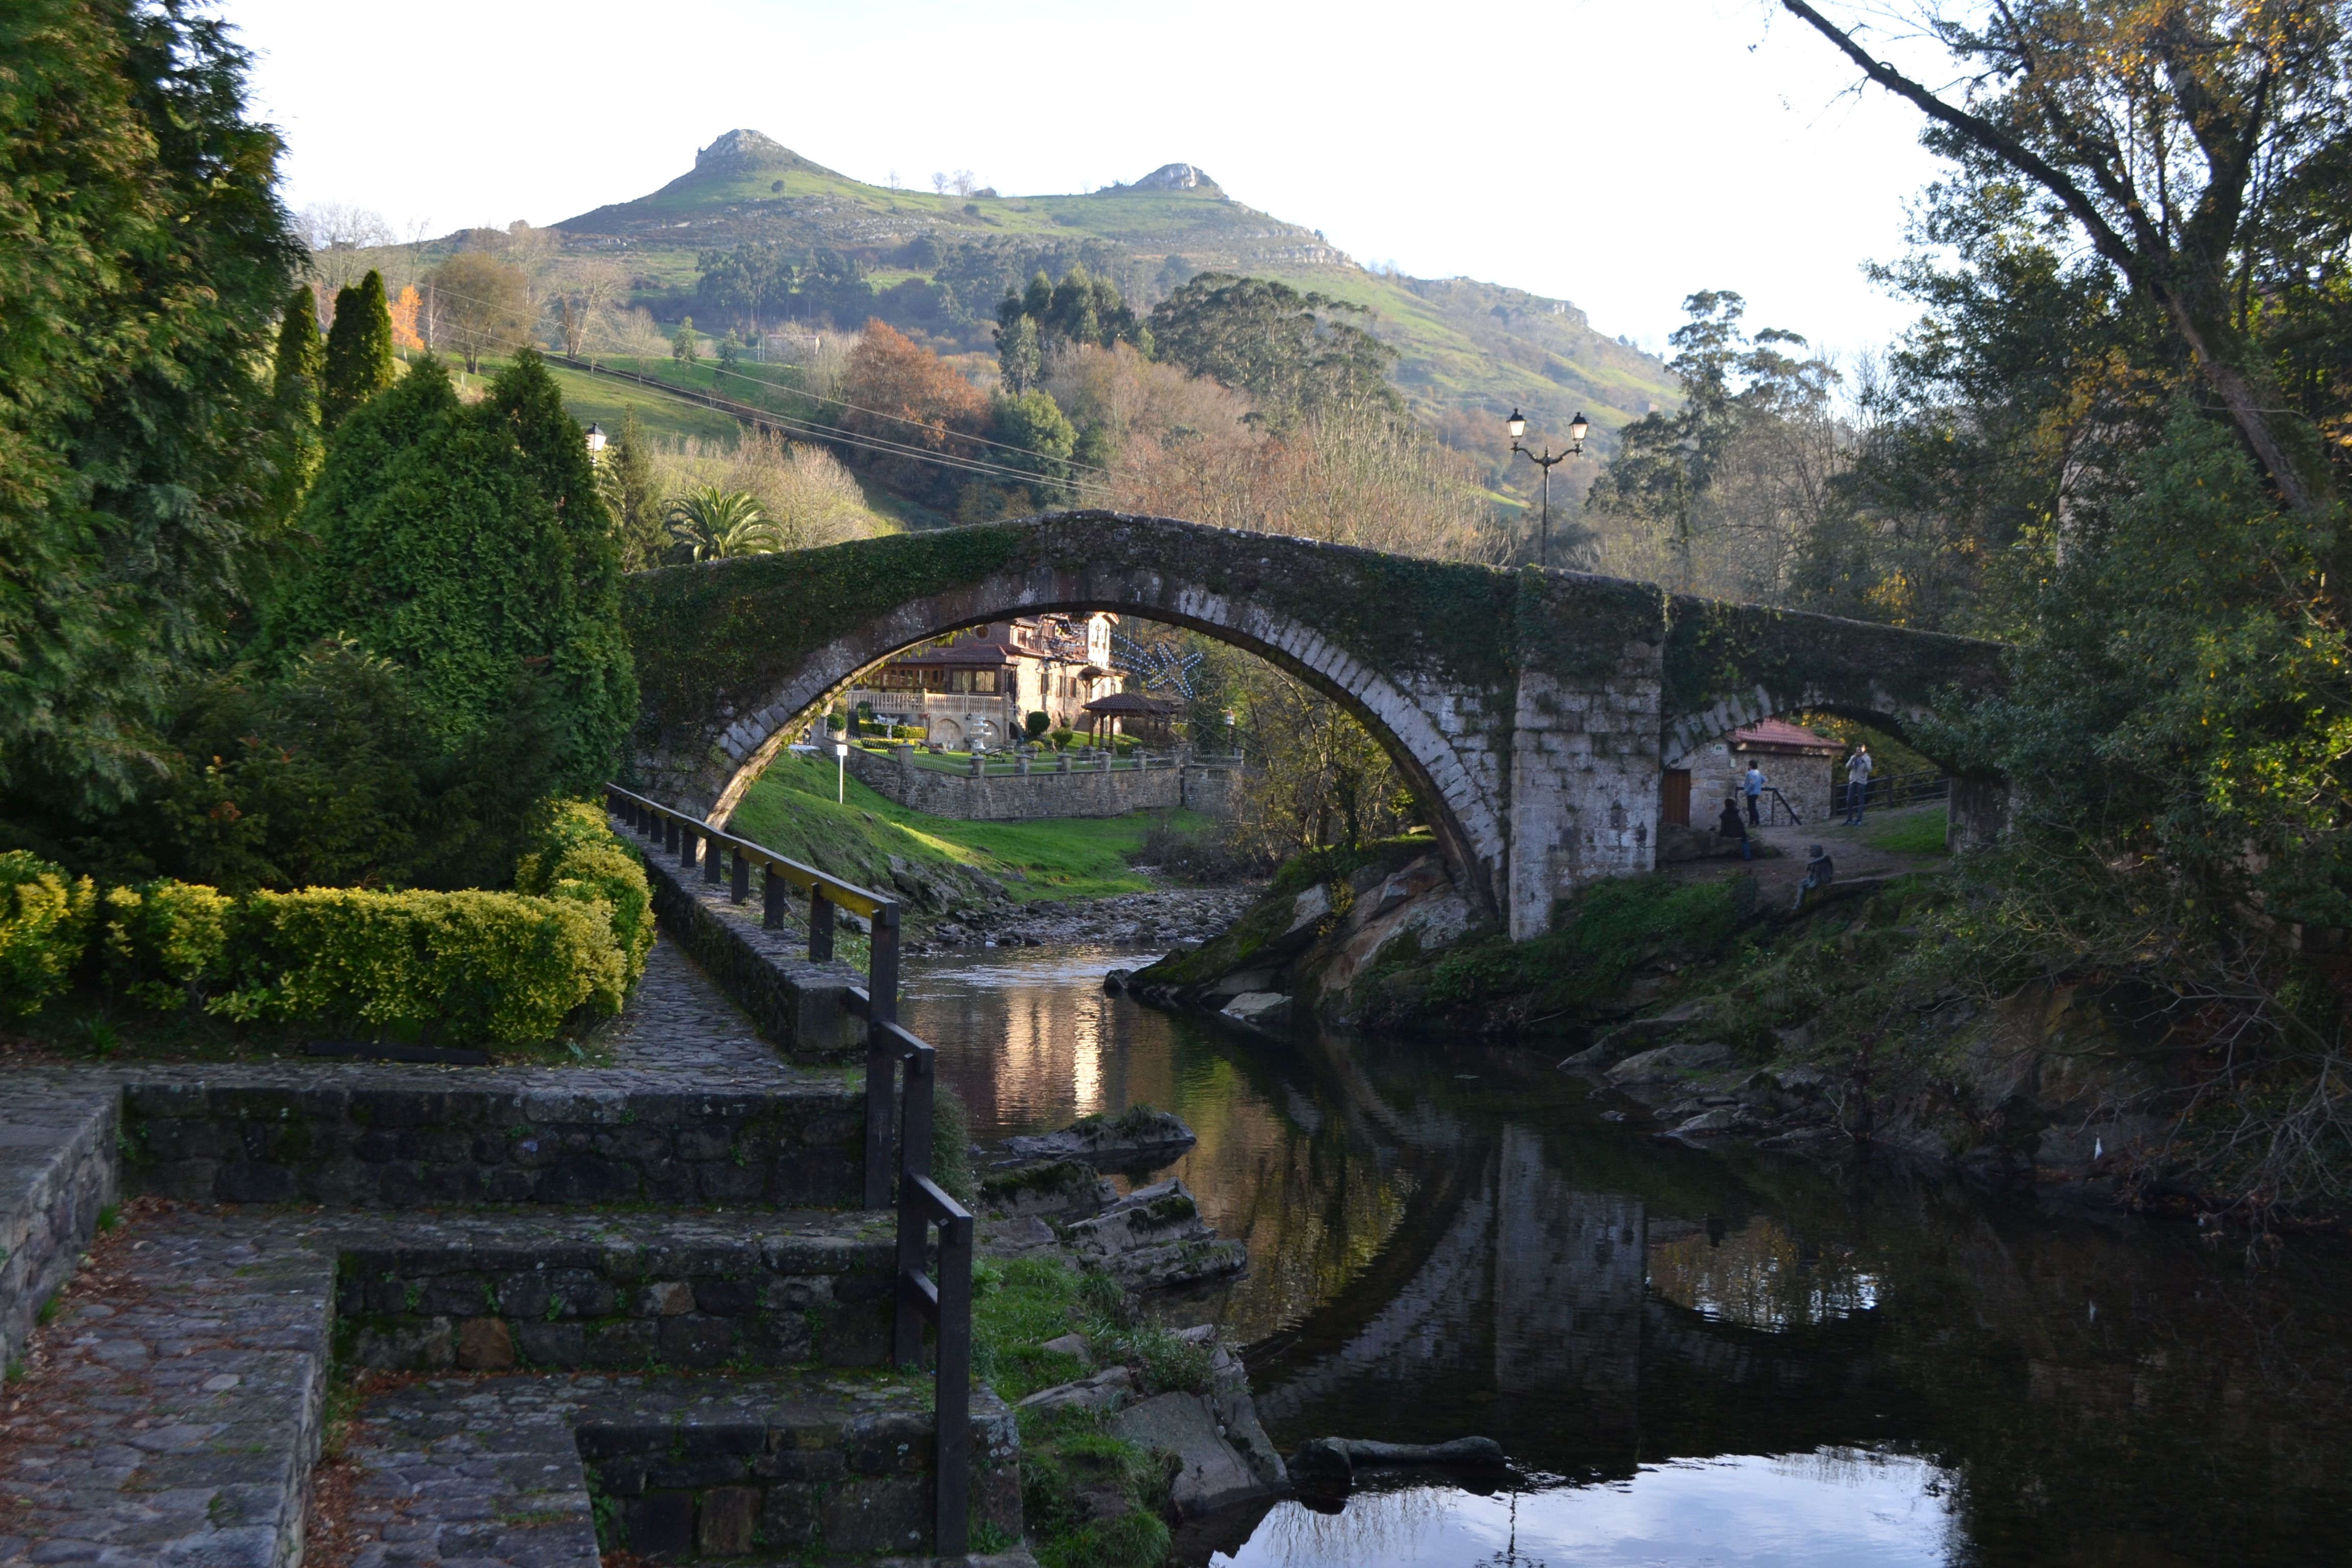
{"x": 1874, "y": 1013}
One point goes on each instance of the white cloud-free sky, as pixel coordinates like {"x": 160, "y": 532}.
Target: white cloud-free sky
{"x": 1620, "y": 156}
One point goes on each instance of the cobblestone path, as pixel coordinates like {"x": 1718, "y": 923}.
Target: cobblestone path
{"x": 171, "y": 1415}
{"x": 677, "y": 1021}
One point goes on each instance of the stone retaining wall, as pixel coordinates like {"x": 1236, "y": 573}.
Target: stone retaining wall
{"x": 682, "y": 1294}
{"x": 57, "y": 1173}
{"x": 403, "y": 1145}
{"x": 1013, "y": 797}
{"x": 790, "y": 1473}
{"x": 797, "y": 1004}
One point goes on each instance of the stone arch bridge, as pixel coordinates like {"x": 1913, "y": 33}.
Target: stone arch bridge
{"x": 1533, "y": 712}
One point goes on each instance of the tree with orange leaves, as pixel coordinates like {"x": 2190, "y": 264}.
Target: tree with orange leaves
{"x": 902, "y": 393}
{"x": 403, "y": 320}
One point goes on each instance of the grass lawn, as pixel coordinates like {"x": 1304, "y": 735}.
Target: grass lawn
{"x": 791, "y": 809}
{"x": 1912, "y": 830}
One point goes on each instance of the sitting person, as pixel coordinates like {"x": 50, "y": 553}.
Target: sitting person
{"x": 1730, "y": 826}
{"x": 1819, "y": 873}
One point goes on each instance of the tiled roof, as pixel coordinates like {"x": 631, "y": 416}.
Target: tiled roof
{"x": 1780, "y": 732}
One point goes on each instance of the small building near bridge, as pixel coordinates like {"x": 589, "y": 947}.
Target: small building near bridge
{"x": 978, "y": 687}
{"x": 1798, "y": 762}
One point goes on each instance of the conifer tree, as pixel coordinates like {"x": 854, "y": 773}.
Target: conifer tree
{"x": 631, "y": 489}
{"x": 468, "y": 544}
{"x": 359, "y": 349}
{"x": 301, "y": 368}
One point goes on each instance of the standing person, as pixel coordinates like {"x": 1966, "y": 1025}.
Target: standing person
{"x": 1754, "y": 785}
{"x": 1730, "y": 826}
{"x": 1857, "y": 784}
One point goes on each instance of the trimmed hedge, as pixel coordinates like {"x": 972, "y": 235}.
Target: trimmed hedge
{"x": 465, "y": 967}
{"x": 44, "y": 925}
{"x": 462, "y": 967}
{"x": 580, "y": 858}
{"x": 167, "y": 943}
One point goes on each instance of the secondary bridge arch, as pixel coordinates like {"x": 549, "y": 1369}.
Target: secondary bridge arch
{"x": 1528, "y": 708}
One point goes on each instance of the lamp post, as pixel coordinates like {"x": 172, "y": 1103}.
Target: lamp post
{"x": 595, "y": 442}
{"x": 841, "y": 773}
{"x": 1577, "y": 427}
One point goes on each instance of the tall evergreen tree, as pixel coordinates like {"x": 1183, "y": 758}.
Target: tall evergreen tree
{"x": 296, "y": 388}
{"x": 147, "y": 260}
{"x": 359, "y": 349}
{"x": 468, "y": 543}
{"x": 632, "y": 493}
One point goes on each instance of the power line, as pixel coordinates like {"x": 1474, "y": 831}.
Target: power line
{"x": 854, "y": 408}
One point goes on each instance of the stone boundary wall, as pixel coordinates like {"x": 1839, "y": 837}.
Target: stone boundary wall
{"x": 56, "y": 1171}
{"x": 796, "y": 1004}
{"x": 685, "y": 1294}
{"x": 405, "y": 1145}
{"x": 795, "y": 1476}
{"x": 1011, "y": 797}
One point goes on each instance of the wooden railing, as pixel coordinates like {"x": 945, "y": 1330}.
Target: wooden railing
{"x": 939, "y": 1297}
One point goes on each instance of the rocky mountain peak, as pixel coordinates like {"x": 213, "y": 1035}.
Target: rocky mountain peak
{"x": 738, "y": 149}
{"x": 1175, "y": 177}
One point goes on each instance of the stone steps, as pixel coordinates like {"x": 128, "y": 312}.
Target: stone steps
{"x": 503, "y": 1291}
{"x": 805, "y": 1467}
{"x": 173, "y": 1414}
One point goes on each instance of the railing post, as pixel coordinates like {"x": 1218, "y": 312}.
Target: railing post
{"x": 740, "y": 888}
{"x": 688, "y": 840}
{"x": 710, "y": 855}
{"x": 951, "y": 1398}
{"x": 773, "y": 892}
{"x": 914, "y": 1224}
{"x": 881, "y": 1059}
{"x": 820, "y": 925}
{"x": 668, "y": 827}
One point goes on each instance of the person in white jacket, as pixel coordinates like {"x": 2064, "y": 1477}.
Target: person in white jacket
{"x": 1857, "y": 784}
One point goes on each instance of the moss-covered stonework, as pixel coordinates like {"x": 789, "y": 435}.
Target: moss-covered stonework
{"x": 1729, "y": 665}
{"x": 1529, "y": 709}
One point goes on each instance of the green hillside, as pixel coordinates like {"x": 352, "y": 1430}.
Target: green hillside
{"x": 1465, "y": 348}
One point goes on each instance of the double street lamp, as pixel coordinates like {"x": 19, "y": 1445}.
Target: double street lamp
{"x": 1576, "y": 428}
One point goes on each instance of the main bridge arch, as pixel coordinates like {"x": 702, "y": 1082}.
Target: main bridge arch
{"x": 1528, "y": 709}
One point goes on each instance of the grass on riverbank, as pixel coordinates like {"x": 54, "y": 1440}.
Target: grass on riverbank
{"x": 791, "y": 808}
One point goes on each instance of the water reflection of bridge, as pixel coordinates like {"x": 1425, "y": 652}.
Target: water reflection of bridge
{"x": 1519, "y": 1302}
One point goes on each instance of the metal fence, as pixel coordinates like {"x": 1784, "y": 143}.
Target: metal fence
{"x": 941, "y": 1295}
{"x": 1890, "y": 790}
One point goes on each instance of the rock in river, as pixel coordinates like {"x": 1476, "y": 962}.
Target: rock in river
{"x": 1137, "y": 1138}
{"x": 1155, "y": 1236}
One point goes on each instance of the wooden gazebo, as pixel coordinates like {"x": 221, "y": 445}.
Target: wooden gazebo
{"x": 1131, "y": 713}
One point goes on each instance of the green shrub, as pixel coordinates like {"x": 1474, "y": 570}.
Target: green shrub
{"x": 44, "y": 927}
{"x": 167, "y": 943}
{"x": 580, "y": 858}
{"x": 1601, "y": 935}
{"x": 461, "y": 967}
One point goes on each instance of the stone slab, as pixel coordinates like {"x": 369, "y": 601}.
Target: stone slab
{"x": 173, "y": 1416}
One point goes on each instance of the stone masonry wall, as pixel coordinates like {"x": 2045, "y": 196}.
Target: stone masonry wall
{"x": 1043, "y": 792}
{"x": 355, "y": 1144}
{"x": 56, "y": 1171}
{"x": 1584, "y": 784}
{"x": 487, "y": 1295}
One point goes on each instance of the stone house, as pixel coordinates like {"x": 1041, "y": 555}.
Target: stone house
{"x": 1799, "y": 764}
{"x": 981, "y": 687}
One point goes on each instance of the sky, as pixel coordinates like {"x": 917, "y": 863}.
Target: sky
{"x": 1618, "y": 157}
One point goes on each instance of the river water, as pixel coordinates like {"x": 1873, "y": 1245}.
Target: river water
{"x": 1691, "y": 1357}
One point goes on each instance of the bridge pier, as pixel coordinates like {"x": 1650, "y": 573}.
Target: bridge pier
{"x": 1584, "y": 783}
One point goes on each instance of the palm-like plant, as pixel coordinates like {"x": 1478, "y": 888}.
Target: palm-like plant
{"x": 715, "y": 524}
